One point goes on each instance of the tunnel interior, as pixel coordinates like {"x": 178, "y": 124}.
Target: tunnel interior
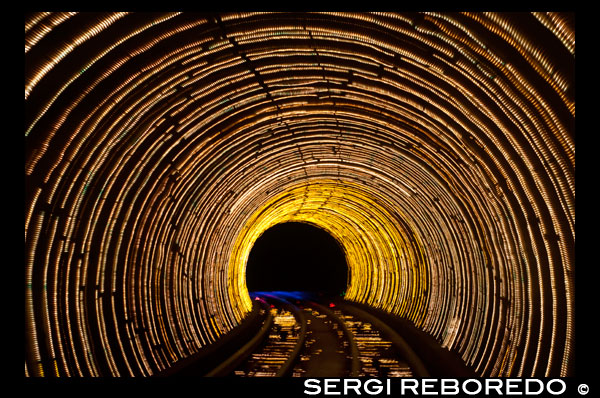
{"x": 295, "y": 256}
{"x": 437, "y": 149}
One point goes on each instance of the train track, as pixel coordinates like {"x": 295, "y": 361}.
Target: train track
{"x": 303, "y": 336}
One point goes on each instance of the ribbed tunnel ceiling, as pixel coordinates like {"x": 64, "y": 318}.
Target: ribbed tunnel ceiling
{"x": 438, "y": 149}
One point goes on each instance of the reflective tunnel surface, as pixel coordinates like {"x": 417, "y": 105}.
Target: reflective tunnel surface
{"x": 437, "y": 149}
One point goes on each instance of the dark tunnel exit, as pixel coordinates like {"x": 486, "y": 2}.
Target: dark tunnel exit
{"x": 297, "y": 256}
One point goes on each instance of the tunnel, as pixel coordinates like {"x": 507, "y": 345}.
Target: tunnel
{"x": 436, "y": 148}
{"x": 297, "y": 257}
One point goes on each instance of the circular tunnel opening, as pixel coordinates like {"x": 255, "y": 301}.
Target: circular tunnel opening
{"x": 296, "y": 256}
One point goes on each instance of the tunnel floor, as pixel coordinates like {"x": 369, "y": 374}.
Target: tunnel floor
{"x": 325, "y": 354}
{"x": 311, "y": 336}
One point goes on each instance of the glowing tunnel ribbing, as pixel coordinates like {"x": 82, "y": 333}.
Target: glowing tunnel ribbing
{"x": 378, "y": 258}
{"x": 437, "y": 149}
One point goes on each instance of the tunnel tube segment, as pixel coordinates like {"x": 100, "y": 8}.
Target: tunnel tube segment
{"x": 437, "y": 148}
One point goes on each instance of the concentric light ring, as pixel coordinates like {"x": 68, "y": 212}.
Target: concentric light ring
{"x": 437, "y": 148}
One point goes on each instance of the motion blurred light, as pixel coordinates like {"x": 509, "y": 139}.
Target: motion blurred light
{"x": 370, "y": 236}
{"x": 438, "y": 149}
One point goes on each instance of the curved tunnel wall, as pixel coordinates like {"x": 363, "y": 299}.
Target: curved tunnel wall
{"x": 438, "y": 149}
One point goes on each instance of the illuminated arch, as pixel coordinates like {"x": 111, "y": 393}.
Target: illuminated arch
{"x": 437, "y": 148}
{"x": 373, "y": 242}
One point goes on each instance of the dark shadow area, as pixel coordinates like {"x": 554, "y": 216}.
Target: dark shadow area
{"x": 297, "y": 257}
